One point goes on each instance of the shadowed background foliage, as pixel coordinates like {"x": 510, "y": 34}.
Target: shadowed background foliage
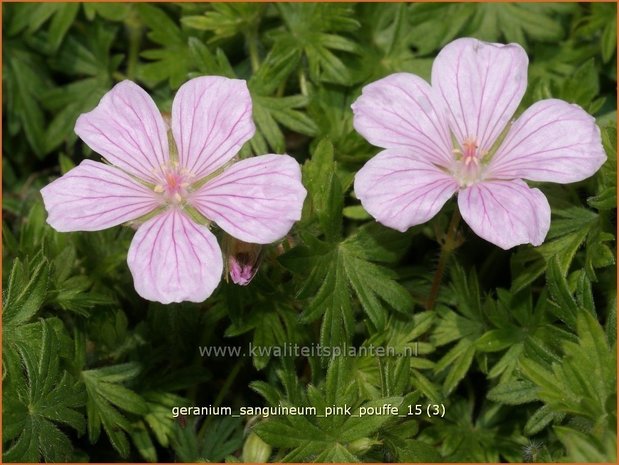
{"x": 520, "y": 347}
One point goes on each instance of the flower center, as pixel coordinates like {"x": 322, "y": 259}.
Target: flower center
{"x": 468, "y": 166}
{"x": 469, "y": 153}
{"x": 174, "y": 185}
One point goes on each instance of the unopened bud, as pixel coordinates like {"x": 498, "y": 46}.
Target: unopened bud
{"x": 361, "y": 445}
{"x": 242, "y": 260}
{"x": 255, "y": 450}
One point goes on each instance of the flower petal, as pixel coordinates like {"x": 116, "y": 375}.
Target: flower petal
{"x": 256, "y": 200}
{"x": 400, "y": 111}
{"x": 481, "y": 85}
{"x": 173, "y": 259}
{"x": 95, "y": 196}
{"x": 128, "y": 130}
{"x": 552, "y": 141}
{"x": 400, "y": 190}
{"x": 211, "y": 120}
{"x": 506, "y": 213}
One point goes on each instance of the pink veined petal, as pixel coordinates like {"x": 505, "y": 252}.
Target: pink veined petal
{"x": 400, "y": 190}
{"x": 173, "y": 259}
{"x": 256, "y": 200}
{"x": 506, "y": 213}
{"x": 481, "y": 85}
{"x": 95, "y": 196}
{"x": 552, "y": 141}
{"x": 401, "y": 111}
{"x": 128, "y": 130}
{"x": 211, "y": 120}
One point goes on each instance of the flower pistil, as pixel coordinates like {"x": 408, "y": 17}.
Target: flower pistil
{"x": 469, "y": 166}
{"x": 174, "y": 184}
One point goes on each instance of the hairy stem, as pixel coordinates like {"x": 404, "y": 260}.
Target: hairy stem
{"x": 449, "y": 243}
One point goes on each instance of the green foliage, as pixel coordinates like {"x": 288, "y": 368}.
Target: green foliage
{"x": 106, "y": 396}
{"x": 330, "y": 269}
{"x": 514, "y": 22}
{"x": 520, "y": 349}
{"x": 171, "y": 59}
{"x": 40, "y": 399}
{"x": 326, "y": 438}
{"x": 317, "y": 31}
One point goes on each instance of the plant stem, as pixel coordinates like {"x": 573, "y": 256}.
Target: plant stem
{"x": 397, "y": 26}
{"x": 252, "y": 45}
{"x": 303, "y": 82}
{"x": 222, "y": 393}
{"x": 228, "y": 382}
{"x": 449, "y": 243}
{"x": 134, "y": 31}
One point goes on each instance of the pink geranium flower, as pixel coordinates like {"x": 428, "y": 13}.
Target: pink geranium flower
{"x": 446, "y": 138}
{"x": 183, "y": 178}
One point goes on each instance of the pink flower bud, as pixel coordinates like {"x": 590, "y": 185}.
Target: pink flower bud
{"x": 242, "y": 260}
